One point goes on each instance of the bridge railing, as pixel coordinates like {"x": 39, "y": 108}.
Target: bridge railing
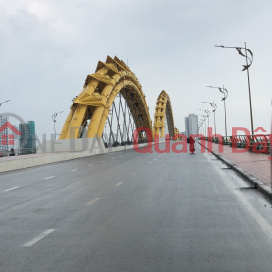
{"x": 243, "y": 141}
{"x": 18, "y": 151}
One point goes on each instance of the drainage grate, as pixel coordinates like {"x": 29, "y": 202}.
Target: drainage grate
{"x": 246, "y": 188}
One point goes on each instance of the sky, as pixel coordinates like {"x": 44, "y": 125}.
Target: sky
{"x": 48, "y": 48}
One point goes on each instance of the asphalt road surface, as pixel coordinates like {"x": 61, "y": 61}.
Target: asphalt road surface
{"x": 126, "y": 211}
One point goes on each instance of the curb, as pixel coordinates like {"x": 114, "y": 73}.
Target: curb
{"x": 262, "y": 188}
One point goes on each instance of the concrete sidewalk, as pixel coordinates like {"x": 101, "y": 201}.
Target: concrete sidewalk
{"x": 255, "y": 167}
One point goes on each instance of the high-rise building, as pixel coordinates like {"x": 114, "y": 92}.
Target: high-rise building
{"x": 8, "y": 135}
{"x": 28, "y": 137}
{"x": 191, "y": 124}
{"x": 16, "y": 136}
{"x": 4, "y": 135}
{"x": 186, "y": 126}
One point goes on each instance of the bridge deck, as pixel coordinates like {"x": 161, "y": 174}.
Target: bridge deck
{"x": 127, "y": 211}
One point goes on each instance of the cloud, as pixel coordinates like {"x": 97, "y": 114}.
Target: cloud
{"x": 48, "y": 47}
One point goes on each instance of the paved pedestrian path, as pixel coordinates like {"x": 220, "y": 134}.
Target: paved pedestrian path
{"x": 256, "y": 164}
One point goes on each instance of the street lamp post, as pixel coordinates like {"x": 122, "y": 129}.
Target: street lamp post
{"x": 208, "y": 114}
{"x": 204, "y": 120}
{"x": 202, "y": 116}
{"x": 4, "y": 102}
{"x": 246, "y": 67}
{"x": 54, "y": 120}
{"x": 214, "y": 109}
{"x": 201, "y": 124}
{"x": 225, "y": 92}
{"x": 205, "y": 126}
{"x": 201, "y": 127}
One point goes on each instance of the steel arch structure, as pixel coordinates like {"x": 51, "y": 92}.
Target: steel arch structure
{"x": 176, "y": 133}
{"x": 111, "y": 79}
{"x": 163, "y": 117}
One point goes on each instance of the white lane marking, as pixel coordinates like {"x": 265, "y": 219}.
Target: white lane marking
{"x": 257, "y": 216}
{"x": 91, "y": 165}
{"x": 50, "y": 177}
{"x": 103, "y": 161}
{"x": 155, "y": 159}
{"x": 113, "y": 158}
{"x": 73, "y": 170}
{"x": 12, "y": 188}
{"x": 118, "y": 183}
{"x": 121, "y": 156}
{"x": 38, "y": 238}
{"x": 150, "y": 162}
{"x": 134, "y": 173}
{"x": 94, "y": 200}
{"x": 266, "y": 227}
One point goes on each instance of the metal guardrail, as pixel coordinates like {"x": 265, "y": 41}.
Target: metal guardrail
{"x": 18, "y": 151}
{"x": 243, "y": 141}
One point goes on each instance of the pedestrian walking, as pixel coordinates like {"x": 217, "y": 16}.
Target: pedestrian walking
{"x": 192, "y": 144}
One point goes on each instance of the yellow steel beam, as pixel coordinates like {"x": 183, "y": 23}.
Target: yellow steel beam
{"x": 163, "y": 104}
{"x": 76, "y": 122}
{"x": 67, "y": 123}
{"x": 112, "y": 76}
{"x": 176, "y": 134}
{"x": 98, "y": 112}
{"x": 118, "y": 87}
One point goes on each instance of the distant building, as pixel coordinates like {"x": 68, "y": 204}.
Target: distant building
{"x": 28, "y": 137}
{"x": 16, "y": 139}
{"x": 8, "y": 137}
{"x": 191, "y": 124}
{"x": 4, "y": 135}
{"x": 186, "y": 126}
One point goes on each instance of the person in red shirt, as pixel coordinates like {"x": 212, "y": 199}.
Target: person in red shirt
{"x": 192, "y": 145}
